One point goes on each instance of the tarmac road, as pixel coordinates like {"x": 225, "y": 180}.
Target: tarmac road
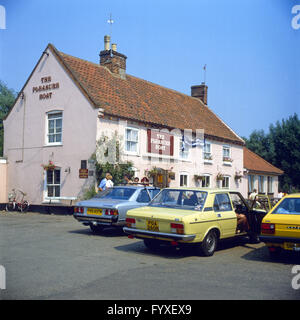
{"x": 55, "y": 257}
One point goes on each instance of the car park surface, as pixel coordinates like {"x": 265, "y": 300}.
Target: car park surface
{"x": 54, "y": 257}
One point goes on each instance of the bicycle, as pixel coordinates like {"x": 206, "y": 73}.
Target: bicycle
{"x": 13, "y": 204}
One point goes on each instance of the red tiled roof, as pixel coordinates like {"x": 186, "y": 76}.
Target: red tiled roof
{"x": 254, "y": 162}
{"x": 137, "y": 99}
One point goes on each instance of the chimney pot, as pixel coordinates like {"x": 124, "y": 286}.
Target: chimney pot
{"x": 114, "y": 46}
{"x": 106, "y": 42}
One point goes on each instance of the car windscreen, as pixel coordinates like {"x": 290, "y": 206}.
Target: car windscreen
{"x": 180, "y": 199}
{"x": 116, "y": 193}
{"x": 288, "y": 206}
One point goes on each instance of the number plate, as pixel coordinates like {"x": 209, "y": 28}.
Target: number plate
{"x": 152, "y": 225}
{"x": 94, "y": 211}
{"x": 292, "y": 246}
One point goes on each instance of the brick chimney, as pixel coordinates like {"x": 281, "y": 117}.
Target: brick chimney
{"x": 113, "y": 60}
{"x": 200, "y": 92}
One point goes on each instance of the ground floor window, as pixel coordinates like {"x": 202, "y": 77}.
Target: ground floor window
{"x": 225, "y": 182}
{"x": 250, "y": 183}
{"x": 183, "y": 180}
{"x": 261, "y": 182}
{"x": 53, "y": 183}
{"x": 270, "y": 184}
{"x": 205, "y": 182}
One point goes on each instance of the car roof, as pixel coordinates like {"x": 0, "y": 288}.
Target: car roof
{"x": 292, "y": 195}
{"x": 211, "y": 190}
{"x": 135, "y": 187}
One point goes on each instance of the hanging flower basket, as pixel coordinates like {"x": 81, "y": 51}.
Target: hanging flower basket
{"x": 172, "y": 175}
{"x": 238, "y": 176}
{"x": 198, "y": 177}
{"x": 227, "y": 159}
{"x": 220, "y": 177}
{"x": 151, "y": 173}
{"x": 49, "y": 167}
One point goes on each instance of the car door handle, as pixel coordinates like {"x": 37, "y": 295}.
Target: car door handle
{"x": 219, "y": 215}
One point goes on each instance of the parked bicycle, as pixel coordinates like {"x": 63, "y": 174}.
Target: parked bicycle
{"x": 15, "y": 204}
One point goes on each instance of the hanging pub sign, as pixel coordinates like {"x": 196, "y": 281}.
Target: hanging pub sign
{"x": 160, "y": 142}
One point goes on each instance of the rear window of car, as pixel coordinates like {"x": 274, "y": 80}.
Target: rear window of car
{"x": 288, "y": 206}
{"x": 116, "y": 193}
{"x": 180, "y": 199}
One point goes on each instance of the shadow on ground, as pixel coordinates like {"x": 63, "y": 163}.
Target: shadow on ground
{"x": 107, "y": 232}
{"x": 262, "y": 254}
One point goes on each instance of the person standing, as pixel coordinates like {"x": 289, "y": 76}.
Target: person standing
{"x": 253, "y": 195}
{"x": 102, "y": 185}
{"x": 109, "y": 182}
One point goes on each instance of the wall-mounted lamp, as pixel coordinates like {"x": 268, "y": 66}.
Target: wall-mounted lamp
{"x": 68, "y": 169}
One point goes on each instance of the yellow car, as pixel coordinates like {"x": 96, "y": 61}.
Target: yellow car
{"x": 193, "y": 216}
{"x": 280, "y": 228}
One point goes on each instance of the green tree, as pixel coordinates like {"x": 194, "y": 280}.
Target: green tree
{"x": 7, "y": 98}
{"x": 281, "y": 147}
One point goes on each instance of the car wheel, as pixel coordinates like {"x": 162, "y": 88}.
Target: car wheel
{"x": 209, "y": 244}
{"x": 151, "y": 244}
{"x": 96, "y": 229}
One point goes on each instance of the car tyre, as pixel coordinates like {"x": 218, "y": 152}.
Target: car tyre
{"x": 209, "y": 244}
{"x": 151, "y": 244}
{"x": 96, "y": 229}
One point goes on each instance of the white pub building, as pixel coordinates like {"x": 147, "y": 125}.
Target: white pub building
{"x": 68, "y": 104}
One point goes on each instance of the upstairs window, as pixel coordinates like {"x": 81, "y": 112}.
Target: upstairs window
{"x": 54, "y": 128}
{"x": 226, "y": 154}
{"x": 131, "y": 140}
{"x": 207, "y": 151}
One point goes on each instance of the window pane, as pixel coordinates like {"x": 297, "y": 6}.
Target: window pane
{"x": 50, "y": 191}
{"x": 49, "y": 177}
{"x": 57, "y": 191}
{"x": 134, "y": 134}
{"x": 58, "y": 138}
{"x": 143, "y": 196}
{"x": 56, "y": 176}
{"x": 51, "y": 124}
{"x": 222, "y": 202}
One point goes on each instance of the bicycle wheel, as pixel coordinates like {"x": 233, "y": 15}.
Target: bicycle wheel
{"x": 23, "y": 206}
{"x": 10, "y": 206}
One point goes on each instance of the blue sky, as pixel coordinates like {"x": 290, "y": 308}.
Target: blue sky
{"x": 250, "y": 48}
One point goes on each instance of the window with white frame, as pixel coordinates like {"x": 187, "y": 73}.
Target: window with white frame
{"x": 131, "y": 140}
{"x": 270, "y": 184}
{"x": 250, "y": 183}
{"x": 207, "y": 151}
{"x": 205, "y": 182}
{"x": 54, "y": 127}
{"x": 53, "y": 183}
{"x": 226, "y": 153}
{"x": 183, "y": 180}
{"x": 225, "y": 182}
{"x": 261, "y": 182}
